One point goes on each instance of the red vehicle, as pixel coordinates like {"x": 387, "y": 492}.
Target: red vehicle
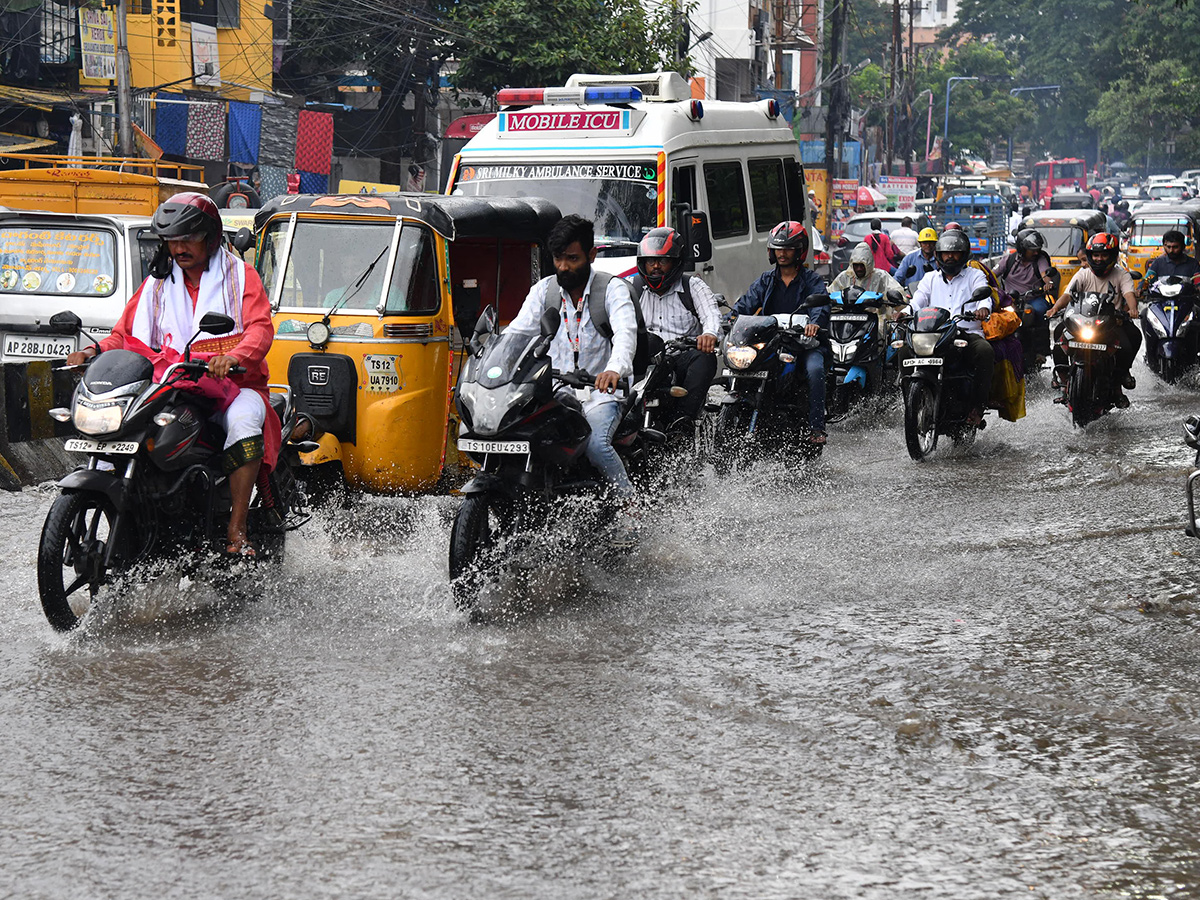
{"x": 1055, "y": 174}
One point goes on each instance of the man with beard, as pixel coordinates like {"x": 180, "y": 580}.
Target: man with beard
{"x": 603, "y": 344}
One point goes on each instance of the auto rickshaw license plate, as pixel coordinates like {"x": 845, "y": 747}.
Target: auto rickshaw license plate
{"x": 383, "y": 373}
{"x": 472, "y": 446}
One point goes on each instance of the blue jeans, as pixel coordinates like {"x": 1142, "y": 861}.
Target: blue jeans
{"x": 814, "y": 370}
{"x": 604, "y": 419}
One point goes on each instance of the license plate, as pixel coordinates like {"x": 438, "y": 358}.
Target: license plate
{"x": 652, "y": 403}
{"x": 1084, "y": 345}
{"x": 728, "y": 373}
{"x": 472, "y": 446}
{"x": 923, "y": 361}
{"x": 76, "y": 445}
{"x": 849, "y": 317}
{"x": 28, "y": 346}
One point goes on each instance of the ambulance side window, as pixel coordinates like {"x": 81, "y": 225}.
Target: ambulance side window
{"x": 726, "y": 191}
{"x": 683, "y": 186}
{"x": 797, "y": 193}
{"x": 766, "y": 190}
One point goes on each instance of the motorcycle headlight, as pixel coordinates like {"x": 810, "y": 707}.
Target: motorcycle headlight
{"x": 1156, "y": 324}
{"x": 91, "y": 417}
{"x": 1087, "y": 332}
{"x": 923, "y": 344}
{"x": 740, "y": 357}
{"x": 1185, "y": 324}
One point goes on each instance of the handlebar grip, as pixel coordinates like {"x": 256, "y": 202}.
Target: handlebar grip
{"x": 237, "y": 370}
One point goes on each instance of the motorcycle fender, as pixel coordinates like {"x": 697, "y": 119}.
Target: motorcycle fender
{"x": 487, "y": 482}
{"x": 857, "y": 374}
{"x": 1169, "y": 348}
{"x": 95, "y": 481}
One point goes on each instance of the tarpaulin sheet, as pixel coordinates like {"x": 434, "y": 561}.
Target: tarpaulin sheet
{"x": 314, "y": 142}
{"x": 245, "y": 124}
{"x": 171, "y": 124}
{"x": 277, "y": 137}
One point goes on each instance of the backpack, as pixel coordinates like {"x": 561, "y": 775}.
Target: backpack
{"x": 598, "y": 313}
{"x": 685, "y": 284}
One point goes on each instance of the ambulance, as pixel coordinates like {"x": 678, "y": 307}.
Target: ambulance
{"x": 634, "y": 152}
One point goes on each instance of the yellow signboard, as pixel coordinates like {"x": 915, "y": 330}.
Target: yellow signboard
{"x": 346, "y": 186}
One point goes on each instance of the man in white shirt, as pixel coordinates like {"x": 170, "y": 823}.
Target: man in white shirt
{"x": 605, "y": 346}
{"x": 950, "y": 288}
{"x": 678, "y": 306}
{"x": 905, "y": 237}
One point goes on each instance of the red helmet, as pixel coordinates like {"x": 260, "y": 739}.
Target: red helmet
{"x": 788, "y": 235}
{"x": 660, "y": 243}
{"x": 1102, "y": 252}
{"x": 952, "y": 226}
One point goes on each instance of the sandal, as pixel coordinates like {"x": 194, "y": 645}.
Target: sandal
{"x": 817, "y": 438}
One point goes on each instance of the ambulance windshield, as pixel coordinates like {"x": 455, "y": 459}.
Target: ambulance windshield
{"x": 620, "y": 197}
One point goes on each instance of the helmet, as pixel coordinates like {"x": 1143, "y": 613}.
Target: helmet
{"x": 927, "y": 234}
{"x": 953, "y": 241}
{"x": 660, "y": 243}
{"x": 1102, "y": 251}
{"x": 952, "y": 226}
{"x": 788, "y": 235}
{"x": 1028, "y": 239}
{"x": 186, "y": 216}
{"x": 1122, "y": 204}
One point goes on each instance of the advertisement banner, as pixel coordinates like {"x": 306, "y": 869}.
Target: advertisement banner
{"x": 900, "y": 190}
{"x": 815, "y": 180}
{"x": 98, "y": 43}
{"x": 844, "y": 204}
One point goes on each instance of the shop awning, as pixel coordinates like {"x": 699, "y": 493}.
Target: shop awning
{"x": 40, "y": 98}
{"x": 23, "y": 143}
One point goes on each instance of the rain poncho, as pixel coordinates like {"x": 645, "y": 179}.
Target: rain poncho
{"x": 874, "y": 280}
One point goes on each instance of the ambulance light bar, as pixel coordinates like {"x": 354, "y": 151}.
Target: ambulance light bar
{"x": 552, "y": 95}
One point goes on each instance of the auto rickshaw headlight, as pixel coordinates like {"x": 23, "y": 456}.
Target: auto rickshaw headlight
{"x": 318, "y": 334}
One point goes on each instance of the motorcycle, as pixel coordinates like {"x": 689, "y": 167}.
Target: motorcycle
{"x": 1191, "y": 437}
{"x": 1167, "y": 323}
{"x": 766, "y": 392}
{"x": 153, "y": 488}
{"x": 1090, "y": 335}
{"x": 936, "y": 380}
{"x": 859, "y": 354}
{"x": 527, "y": 435}
{"x": 1034, "y": 332}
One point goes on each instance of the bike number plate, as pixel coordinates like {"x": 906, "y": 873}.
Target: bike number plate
{"x": 728, "y": 373}
{"x": 1084, "y": 345}
{"x": 472, "y": 446}
{"x": 923, "y": 361}
{"x": 76, "y": 445}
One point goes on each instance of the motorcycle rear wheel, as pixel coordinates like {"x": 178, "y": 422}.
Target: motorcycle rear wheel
{"x": 1079, "y": 395}
{"x": 480, "y": 523}
{"x": 920, "y": 428}
{"x": 71, "y": 551}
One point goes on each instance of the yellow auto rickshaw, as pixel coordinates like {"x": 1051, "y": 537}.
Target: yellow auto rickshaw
{"x": 1066, "y": 233}
{"x": 366, "y": 291}
{"x": 1142, "y": 241}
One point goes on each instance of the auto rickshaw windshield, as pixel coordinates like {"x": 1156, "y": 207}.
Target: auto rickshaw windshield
{"x": 1064, "y": 240}
{"x": 1149, "y": 232}
{"x": 328, "y": 259}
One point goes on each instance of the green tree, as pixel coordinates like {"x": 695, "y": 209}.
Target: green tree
{"x": 513, "y": 43}
{"x": 1139, "y": 114}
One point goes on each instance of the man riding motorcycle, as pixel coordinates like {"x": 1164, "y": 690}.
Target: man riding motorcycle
{"x": 922, "y": 260}
{"x": 1027, "y": 269}
{"x": 784, "y": 289}
{"x": 1101, "y": 274}
{"x": 675, "y": 306}
{"x": 951, "y": 288}
{"x": 192, "y": 274}
{"x": 1174, "y": 261}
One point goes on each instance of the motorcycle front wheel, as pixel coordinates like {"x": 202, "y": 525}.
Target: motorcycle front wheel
{"x": 71, "y": 553}
{"x": 479, "y": 525}
{"x": 920, "y": 426}
{"x": 1079, "y": 396}
{"x": 728, "y": 434}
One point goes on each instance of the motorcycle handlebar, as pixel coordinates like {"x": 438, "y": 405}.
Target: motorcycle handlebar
{"x": 581, "y": 378}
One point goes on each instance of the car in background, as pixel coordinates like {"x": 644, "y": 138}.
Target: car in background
{"x": 821, "y": 261}
{"x": 857, "y": 228}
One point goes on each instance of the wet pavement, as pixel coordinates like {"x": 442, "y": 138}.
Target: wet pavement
{"x": 974, "y": 677}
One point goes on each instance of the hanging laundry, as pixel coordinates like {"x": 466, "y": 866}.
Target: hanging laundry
{"x": 245, "y": 125}
{"x": 274, "y": 182}
{"x": 277, "y": 136}
{"x": 206, "y": 131}
{"x": 314, "y": 142}
{"x": 314, "y": 183}
{"x": 171, "y": 124}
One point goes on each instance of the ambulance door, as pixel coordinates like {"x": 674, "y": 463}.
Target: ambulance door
{"x": 725, "y": 197}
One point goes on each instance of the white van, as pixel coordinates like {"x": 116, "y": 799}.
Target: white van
{"x": 617, "y": 148}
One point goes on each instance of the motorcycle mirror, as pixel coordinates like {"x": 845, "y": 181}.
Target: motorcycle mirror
{"x": 486, "y": 323}
{"x": 243, "y": 240}
{"x": 1136, "y": 276}
{"x": 910, "y": 272}
{"x": 895, "y": 296}
{"x": 65, "y": 322}
{"x": 1191, "y": 432}
{"x": 816, "y": 300}
{"x": 542, "y": 346}
{"x": 216, "y": 323}
{"x": 549, "y": 323}
{"x": 981, "y": 293}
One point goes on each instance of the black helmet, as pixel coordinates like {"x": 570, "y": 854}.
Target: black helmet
{"x": 186, "y": 216}
{"x": 788, "y": 234}
{"x": 1028, "y": 239}
{"x": 1122, "y": 204}
{"x": 660, "y": 243}
{"x": 953, "y": 241}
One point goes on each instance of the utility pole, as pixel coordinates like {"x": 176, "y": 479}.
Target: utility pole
{"x": 124, "y": 76}
{"x": 891, "y": 112}
{"x": 837, "y": 90}
{"x": 777, "y": 15}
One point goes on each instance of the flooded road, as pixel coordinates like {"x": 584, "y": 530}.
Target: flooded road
{"x": 971, "y": 678}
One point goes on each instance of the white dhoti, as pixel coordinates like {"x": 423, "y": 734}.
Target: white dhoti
{"x": 244, "y": 417}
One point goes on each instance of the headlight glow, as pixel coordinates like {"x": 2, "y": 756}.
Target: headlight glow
{"x": 740, "y": 357}
{"x": 99, "y": 418}
{"x": 1086, "y": 333}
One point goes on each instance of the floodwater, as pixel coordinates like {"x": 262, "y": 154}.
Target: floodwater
{"x": 977, "y": 677}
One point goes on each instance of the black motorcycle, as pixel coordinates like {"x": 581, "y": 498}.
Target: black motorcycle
{"x": 937, "y": 379}
{"x": 522, "y": 423}
{"x": 658, "y": 394}
{"x": 1091, "y": 333}
{"x": 153, "y": 488}
{"x": 766, "y": 389}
